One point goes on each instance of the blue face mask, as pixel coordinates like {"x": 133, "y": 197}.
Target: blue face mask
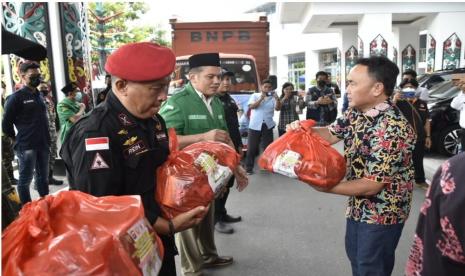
{"x": 78, "y": 97}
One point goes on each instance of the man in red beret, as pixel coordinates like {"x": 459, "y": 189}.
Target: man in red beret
{"x": 116, "y": 149}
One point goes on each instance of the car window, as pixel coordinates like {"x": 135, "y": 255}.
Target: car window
{"x": 444, "y": 90}
{"x": 433, "y": 80}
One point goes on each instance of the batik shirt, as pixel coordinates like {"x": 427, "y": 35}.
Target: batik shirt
{"x": 439, "y": 241}
{"x": 378, "y": 146}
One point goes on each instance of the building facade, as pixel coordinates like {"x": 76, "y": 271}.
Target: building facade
{"x": 425, "y": 37}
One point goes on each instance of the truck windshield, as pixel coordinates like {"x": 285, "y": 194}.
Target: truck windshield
{"x": 245, "y": 74}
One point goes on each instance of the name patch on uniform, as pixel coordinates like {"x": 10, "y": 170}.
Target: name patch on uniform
{"x": 28, "y": 101}
{"x": 138, "y": 147}
{"x": 197, "y": 117}
{"x": 97, "y": 143}
{"x": 99, "y": 163}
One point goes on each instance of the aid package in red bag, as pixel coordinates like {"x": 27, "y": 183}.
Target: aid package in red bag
{"x": 193, "y": 176}
{"x": 304, "y": 155}
{"x": 73, "y": 233}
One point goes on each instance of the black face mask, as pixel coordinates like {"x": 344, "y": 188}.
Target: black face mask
{"x": 34, "y": 81}
{"x": 321, "y": 83}
{"x": 44, "y": 92}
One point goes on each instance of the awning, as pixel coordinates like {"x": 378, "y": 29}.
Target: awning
{"x": 20, "y": 46}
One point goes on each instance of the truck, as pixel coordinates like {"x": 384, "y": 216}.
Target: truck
{"x": 243, "y": 48}
{"x": 232, "y": 37}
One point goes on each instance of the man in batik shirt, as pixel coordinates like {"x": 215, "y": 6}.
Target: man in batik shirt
{"x": 439, "y": 242}
{"x": 378, "y": 145}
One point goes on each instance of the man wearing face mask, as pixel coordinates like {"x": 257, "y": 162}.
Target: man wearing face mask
{"x": 70, "y": 109}
{"x": 416, "y": 112}
{"x": 321, "y": 101}
{"x": 51, "y": 116}
{"x": 26, "y": 110}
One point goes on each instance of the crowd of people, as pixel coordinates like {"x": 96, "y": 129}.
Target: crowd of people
{"x": 384, "y": 131}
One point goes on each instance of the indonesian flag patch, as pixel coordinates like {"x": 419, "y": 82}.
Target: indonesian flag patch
{"x": 99, "y": 163}
{"x": 97, "y": 143}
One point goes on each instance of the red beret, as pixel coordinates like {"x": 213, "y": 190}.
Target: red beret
{"x": 142, "y": 61}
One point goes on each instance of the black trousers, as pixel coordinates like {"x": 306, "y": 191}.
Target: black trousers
{"x": 281, "y": 132}
{"x": 255, "y": 138}
{"x": 220, "y": 203}
{"x": 168, "y": 267}
{"x": 418, "y": 155}
{"x": 463, "y": 139}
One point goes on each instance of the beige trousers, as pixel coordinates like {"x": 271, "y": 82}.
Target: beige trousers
{"x": 196, "y": 245}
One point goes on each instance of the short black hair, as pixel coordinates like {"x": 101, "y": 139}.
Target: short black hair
{"x": 413, "y": 82}
{"x": 28, "y": 65}
{"x": 227, "y": 73}
{"x": 382, "y": 70}
{"x": 321, "y": 73}
{"x": 267, "y": 81}
{"x": 410, "y": 72}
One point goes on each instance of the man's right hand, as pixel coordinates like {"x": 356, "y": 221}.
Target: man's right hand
{"x": 293, "y": 126}
{"x": 190, "y": 218}
{"x": 217, "y": 135}
{"x": 397, "y": 97}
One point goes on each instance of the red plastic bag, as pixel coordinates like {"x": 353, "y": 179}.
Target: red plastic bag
{"x": 304, "y": 155}
{"x": 193, "y": 176}
{"x": 73, "y": 233}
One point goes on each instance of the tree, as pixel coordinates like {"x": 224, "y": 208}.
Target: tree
{"x": 109, "y": 27}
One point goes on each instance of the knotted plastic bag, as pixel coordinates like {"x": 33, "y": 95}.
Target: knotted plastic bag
{"x": 304, "y": 155}
{"x": 193, "y": 176}
{"x": 73, "y": 233}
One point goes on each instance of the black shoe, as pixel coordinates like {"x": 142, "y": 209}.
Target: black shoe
{"x": 220, "y": 261}
{"x": 422, "y": 185}
{"x": 230, "y": 219}
{"x": 249, "y": 171}
{"x": 53, "y": 181}
{"x": 223, "y": 228}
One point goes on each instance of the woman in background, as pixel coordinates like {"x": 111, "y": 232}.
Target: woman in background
{"x": 291, "y": 106}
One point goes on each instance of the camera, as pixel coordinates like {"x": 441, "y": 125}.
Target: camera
{"x": 408, "y": 93}
{"x": 270, "y": 93}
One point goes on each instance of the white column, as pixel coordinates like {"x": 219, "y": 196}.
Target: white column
{"x": 348, "y": 39}
{"x": 282, "y": 69}
{"x": 409, "y": 35}
{"x": 312, "y": 66}
{"x": 372, "y": 25}
{"x": 57, "y": 49}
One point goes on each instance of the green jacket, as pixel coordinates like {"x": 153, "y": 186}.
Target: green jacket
{"x": 66, "y": 109}
{"x": 186, "y": 112}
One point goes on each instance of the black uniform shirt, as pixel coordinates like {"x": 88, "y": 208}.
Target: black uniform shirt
{"x": 26, "y": 110}
{"x": 110, "y": 152}
{"x": 417, "y": 114}
{"x": 230, "y": 112}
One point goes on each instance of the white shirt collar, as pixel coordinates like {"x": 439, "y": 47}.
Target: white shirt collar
{"x": 206, "y": 100}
